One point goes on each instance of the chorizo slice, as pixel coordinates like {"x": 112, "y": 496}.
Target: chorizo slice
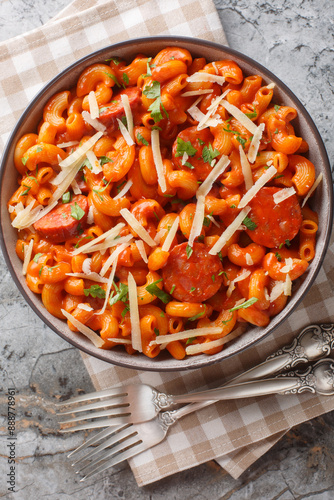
{"x": 64, "y": 221}
{"x": 193, "y": 279}
{"x": 115, "y": 109}
{"x": 275, "y": 223}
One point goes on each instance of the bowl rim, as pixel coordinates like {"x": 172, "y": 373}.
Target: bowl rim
{"x": 198, "y": 362}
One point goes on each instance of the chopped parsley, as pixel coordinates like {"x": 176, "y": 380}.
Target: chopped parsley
{"x": 278, "y": 257}
{"x": 37, "y": 256}
{"x": 95, "y": 291}
{"x": 199, "y": 315}
{"x": 190, "y": 340}
{"x": 122, "y": 292}
{"x": 66, "y": 198}
{"x": 115, "y": 60}
{"x": 113, "y": 77}
{"x": 82, "y": 239}
{"x": 249, "y": 223}
{"x": 245, "y": 305}
{"x": 277, "y": 107}
{"x": 242, "y": 141}
{"x": 105, "y": 159}
{"x": 156, "y": 331}
{"x": 189, "y": 251}
{"x": 125, "y": 78}
{"x": 77, "y": 212}
{"x": 153, "y": 92}
{"x": 26, "y": 191}
{"x": 141, "y": 139}
{"x": 209, "y": 154}
{"x": 213, "y": 277}
{"x": 288, "y": 243}
{"x": 276, "y": 131}
{"x": 192, "y": 289}
{"x": 201, "y": 142}
{"x": 253, "y": 114}
{"x": 39, "y": 149}
{"x": 172, "y": 289}
{"x": 153, "y": 289}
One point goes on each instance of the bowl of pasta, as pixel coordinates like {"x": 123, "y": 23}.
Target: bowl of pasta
{"x": 166, "y": 203}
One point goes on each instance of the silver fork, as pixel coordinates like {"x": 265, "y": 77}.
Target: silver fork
{"x": 127, "y": 441}
{"x": 134, "y": 403}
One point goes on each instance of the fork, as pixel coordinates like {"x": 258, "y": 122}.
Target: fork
{"x": 127, "y": 441}
{"x": 135, "y": 403}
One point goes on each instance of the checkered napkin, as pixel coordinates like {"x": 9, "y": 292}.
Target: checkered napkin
{"x": 235, "y": 433}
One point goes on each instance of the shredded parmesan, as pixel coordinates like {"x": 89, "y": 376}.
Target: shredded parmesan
{"x": 249, "y": 260}
{"x": 125, "y": 189}
{"x": 120, "y": 341}
{"x": 211, "y": 110}
{"x": 215, "y": 67}
{"x": 184, "y": 158}
{"x": 313, "y": 188}
{"x": 94, "y": 122}
{"x": 191, "y": 93}
{"x": 196, "y": 114}
{"x": 229, "y": 231}
{"x": 240, "y": 116}
{"x": 96, "y": 165}
{"x": 112, "y": 233}
{"x": 242, "y": 276}
{"x": 128, "y": 114}
{"x": 271, "y": 85}
{"x": 134, "y": 314}
{"x": 197, "y": 224}
{"x": 255, "y": 143}
{"x": 137, "y": 227}
{"x": 27, "y": 256}
{"x": 80, "y": 152}
{"x": 212, "y": 219}
{"x": 171, "y": 235}
{"x": 276, "y": 291}
{"x": 160, "y": 235}
{"x": 67, "y": 144}
{"x": 246, "y": 169}
{"x": 85, "y": 307}
{"x": 283, "y": 194}
{"x": 86, "y": 266}
{"x": 90, "y": 334}
{"x": 90, "y": 216}
{"x": 112, "y": 257}
{"x": 257, "y": 186}
{"x": 155, "y": 142}
{"x": 110, "y": 282}
{"x": 201, "y": 76}
{"x": 187, "y": 334}
{"x": 230, "y": 289}
{"x": 89, "y": 276}
{"x": 93, "y": 105}
{"x": 288, "y": 265}
{"x": 141, "y": 249}
{"x": 75, "y": 187}
{"x": 197, "y": 348}
{"x": 287, "y": 285}
{"x": 218, "y": 170}
{"x": 125, "y": 133}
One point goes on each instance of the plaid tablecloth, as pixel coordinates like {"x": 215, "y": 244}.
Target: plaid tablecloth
{"x": 234, "y": 433}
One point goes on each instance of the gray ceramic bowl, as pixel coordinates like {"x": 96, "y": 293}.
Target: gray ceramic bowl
{"x": 322, "y": 200}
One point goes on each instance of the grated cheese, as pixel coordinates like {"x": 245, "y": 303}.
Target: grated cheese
{"x": 184, "y": 158}
{"x": 75, "y": 187}
{"x": 229, "y": 231}
{"x": 109, "y": 285}
{"x": 111, "y": 233}
{"x": 196, "y": 114}
{"x": 95, "y": 163}
{"x": 137, "y": 227}
{"x": 125, "y": 189}
{"x": 201, "y": 76}
{"x": 27, "y": 256}
{"x": 276, "y": 291}
{"x": 287, "y": 285}
{"x": 191, "y": 93}
{"x": 159, "y": 235}
{"x": 85, "y": 307}
{"x": 288, "y": 265}
{"x": 141, "y": 249}
{"x": 93, "y": 105}
{"x": 90, "y": 216}
{"x": 94, "y": 122}
{"x": 240, "y": 116}
{"x": 125, "y": 133}
{"x": 246, "y": 169}
{"x": 271, "y": 85}
{"x": 197, "y": 348}
{"x": 255, "y": 143}
{"x": 67, "y": 144}
{"x": 112, "y": 257}
{"x": 86, "y": 266}
{"x": 120, "y": 341}
{"x": 218, "y": 170}
{"x": 197, "y": 224}
{"x": 155, "y": 142}
{"x": 211, "y": 110}
{"x": 80, "y": 152}
{"x": 134, "y": 314}
{"x": 313, "y": 188}
{"x": 242, "y": 276}
{"x": 283, "y": 194}
{"x": 257, "y": 186}
{"x": 171, "y": 235}
{"x": 186, "y": 334}
{"x": 215, "y": 67}
{"x": 128, "y": 114}
{"x": 89, "y": 276}
{"x": 249, "y": 260}
{"x": 90, "y": 334}
{"x": 230, "y": 289}
{"x": 212, "y": 219}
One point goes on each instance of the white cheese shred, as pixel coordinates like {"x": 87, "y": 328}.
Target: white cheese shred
{"x": 218, "y": 170}
{"x": 246, "y": 169}
{"x": 171, "y": 235}
{"x": 229, "y": 231}
{"x": 141, "y": 249}
{"x": 283, "y": 194}
{"x": 192, "y": 93}
{"x": 198, "y": 348}
{"x": 120, "y": 341}
{"x": 125, "y": 133}
{"x": 187, "y": 334}
{"x": 313, "y": 188}
{"x": 257, "y": 186}
{"x": 255, "y": 143}
{"x": 80, "y": 152}
{"x": 201, "y": 76}
{"x": 85, "y": 307}
{"x": 123, "y": 191}
{"x": 240, "y": 116}
{"x": 276, "y": 291}
{"x": 93, "y": 105}
{"x": 155, "y": 142}
{"x": 112, "y": 258}
{"x": 137, "y": 227}
{"x": 287, "y": 285}
{"x": 27, "y": 256}
{"x": 128, "y": 115}
{"x": 134, "y": 315}
{"x": 75, "y": 187}
{"x": 112, "y": 233}
{"x": 90, "y": 334}
{"x": 109, "y": 285}
{"x": 197, "y": 224}
{"x": 67, "y": 144}
{"x": 94, "y": 122}
{"x": 89, "y": 276}
{"x": 96, "y": 165}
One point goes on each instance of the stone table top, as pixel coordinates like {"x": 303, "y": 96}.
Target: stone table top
{"x": 294, "y": 39}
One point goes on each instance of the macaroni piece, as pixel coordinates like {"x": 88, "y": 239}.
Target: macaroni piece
{"x": 172, "y": 177}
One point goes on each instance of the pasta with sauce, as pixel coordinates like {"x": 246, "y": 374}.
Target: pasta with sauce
{"x": 163, "y": 203}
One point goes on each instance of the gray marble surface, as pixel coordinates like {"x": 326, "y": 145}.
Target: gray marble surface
{"x": 294, "y": 39}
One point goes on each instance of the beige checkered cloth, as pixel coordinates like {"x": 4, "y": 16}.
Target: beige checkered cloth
{"x": 235, "y": 433}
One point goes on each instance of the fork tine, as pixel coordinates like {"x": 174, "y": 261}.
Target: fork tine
{"x": 94, "y": 439}
{"x": 131, "y": 452}
{"x": 95, "y": 406}
{"x": 120, "y": 448}
{"x": 117, "y": 391}
{"x": 107, "y": 422}
{"x": 97, "y": 414}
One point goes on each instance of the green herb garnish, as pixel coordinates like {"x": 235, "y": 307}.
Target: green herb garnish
{"x": 244, "y": 305}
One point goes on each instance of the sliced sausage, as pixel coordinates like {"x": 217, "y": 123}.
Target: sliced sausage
{"x": 198, "y": 139}
{"x": 61, "y": 223}
{"x": 193, "y": 279}
{"x": 275, "y": 223}
{"x": 116, "y": 109}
